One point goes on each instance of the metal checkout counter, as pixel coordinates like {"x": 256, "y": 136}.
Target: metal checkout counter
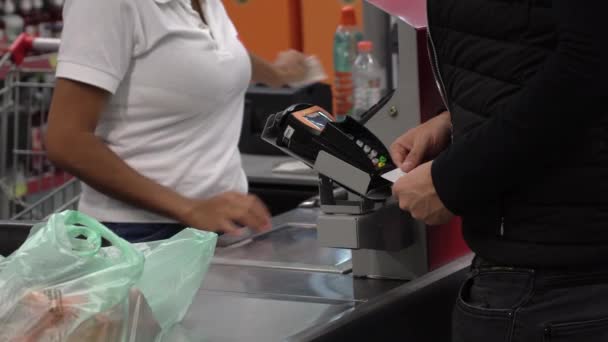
{"x": 347, "y": 265}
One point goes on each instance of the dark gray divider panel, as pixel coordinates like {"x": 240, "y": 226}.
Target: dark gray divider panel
{"x": 12, "y": 235}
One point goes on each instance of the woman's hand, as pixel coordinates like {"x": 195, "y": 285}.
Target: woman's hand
{"x": 416, "y": 194}
{"x": 223, "y": 212}
{"x": 291, "y": 66}
{"x": 422, "y": 143}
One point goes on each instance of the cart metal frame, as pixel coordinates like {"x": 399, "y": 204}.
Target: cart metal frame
{"x": 31, "y": 188}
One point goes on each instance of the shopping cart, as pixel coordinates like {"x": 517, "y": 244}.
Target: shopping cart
{"x": 31, "y": 188}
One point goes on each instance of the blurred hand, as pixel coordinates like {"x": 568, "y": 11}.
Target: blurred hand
{"x": 223, "y": 212}
{"x": 291, "y": 66}
{"x": 416, "y": 194}
{"x": 422, "y": 143}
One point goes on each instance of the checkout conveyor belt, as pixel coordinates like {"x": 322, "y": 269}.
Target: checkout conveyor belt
{"x": 280, "y": 286}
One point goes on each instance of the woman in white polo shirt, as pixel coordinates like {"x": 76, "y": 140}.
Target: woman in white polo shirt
{"x": 147, "y": 112}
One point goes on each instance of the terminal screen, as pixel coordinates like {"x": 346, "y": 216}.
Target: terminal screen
{"x": 318, "y": 119}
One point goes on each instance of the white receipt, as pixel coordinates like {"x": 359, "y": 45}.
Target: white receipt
{"x": 394, "y": 175}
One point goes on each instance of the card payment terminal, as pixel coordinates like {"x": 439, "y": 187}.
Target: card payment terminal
{"x": 304, "y": 130}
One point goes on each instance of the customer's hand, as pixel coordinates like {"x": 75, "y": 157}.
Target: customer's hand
{"x": 416, "y": 194}
{"x": 291, "y": 66}
{"x": 422, "y": 143}
{"x": 223, "y": 212}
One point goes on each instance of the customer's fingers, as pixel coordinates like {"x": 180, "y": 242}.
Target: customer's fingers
{"x": 415, "y": 155}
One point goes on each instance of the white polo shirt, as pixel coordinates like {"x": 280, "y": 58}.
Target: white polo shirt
{"x": 178, "y": 90}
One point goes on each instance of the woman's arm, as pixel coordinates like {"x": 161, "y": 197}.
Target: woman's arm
{"x": 73, "y": 146}
{"x": 289, "y": 67}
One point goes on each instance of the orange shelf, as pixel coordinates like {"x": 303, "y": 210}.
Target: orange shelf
{"x": 267, "y": 27}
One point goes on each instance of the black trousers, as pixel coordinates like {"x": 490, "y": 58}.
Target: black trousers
{"x": 144, "y": 232}
{"x": 509, "y": 304}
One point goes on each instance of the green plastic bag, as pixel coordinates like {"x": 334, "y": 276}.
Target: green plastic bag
{"x": 179, "y": 264}
{"x": 61, "y": 285}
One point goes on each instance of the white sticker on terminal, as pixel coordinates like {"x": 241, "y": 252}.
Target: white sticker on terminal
{"x": 288, "y": 132}
{"x": 393, "y": 176}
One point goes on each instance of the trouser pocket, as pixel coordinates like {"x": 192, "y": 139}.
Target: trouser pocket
{"x": 565, "y": 307}
{"x": 594, "y": 330}
{"x": 486, "y": 304}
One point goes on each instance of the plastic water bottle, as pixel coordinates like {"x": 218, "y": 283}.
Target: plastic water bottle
{"x": 345, "y": 50}
{"x": 367, "y": 75}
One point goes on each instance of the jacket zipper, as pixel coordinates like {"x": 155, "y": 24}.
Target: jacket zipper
{"x": 435, "y": 62}
{"x": 435, "y": 67}
{"x": 442, "y": 91}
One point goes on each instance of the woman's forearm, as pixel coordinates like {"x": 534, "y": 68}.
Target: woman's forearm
{"x": 83, "y": 155}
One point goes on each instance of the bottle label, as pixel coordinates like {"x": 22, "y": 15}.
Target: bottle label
{"x": 343, "y": 93}
{"x": 367, "y": 95}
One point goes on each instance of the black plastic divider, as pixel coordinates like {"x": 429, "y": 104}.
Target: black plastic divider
{"x": 12, "y": 235}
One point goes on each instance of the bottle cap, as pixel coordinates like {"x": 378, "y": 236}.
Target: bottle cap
{"x": 365, "y": 46}
{"x": 349, "y": 17}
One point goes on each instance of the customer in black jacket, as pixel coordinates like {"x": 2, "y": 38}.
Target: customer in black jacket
{"x": 525, "y": 83}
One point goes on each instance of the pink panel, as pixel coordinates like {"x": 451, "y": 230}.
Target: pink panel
{"x": 412, "y": 12}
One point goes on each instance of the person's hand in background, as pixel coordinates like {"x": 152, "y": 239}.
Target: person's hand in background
{"x": 291, "y": 66}
{"x": 223, "y": 212}
{"x": 417, "y": 195}
{"x": 422, "y": 143}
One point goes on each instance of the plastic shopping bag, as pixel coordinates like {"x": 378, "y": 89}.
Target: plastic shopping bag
{"x": 61, "y": 285}
{"x": 173, "y": 272}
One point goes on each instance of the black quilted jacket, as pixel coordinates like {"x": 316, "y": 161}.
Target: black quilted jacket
{"x": 525, "y": 82}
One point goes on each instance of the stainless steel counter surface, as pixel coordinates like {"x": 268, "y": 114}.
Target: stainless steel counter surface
{"x": 252, "y": 312}
{"x": 290, "y": 246}
{"x": 296, "y": 216}
{"x": 300, "y": 284}
{"x": 246, "y": 297}
{"x": 228, "y": 317}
